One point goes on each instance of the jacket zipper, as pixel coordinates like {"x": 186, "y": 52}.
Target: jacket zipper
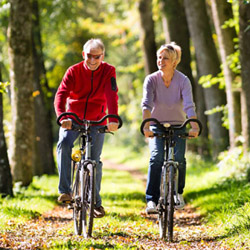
{"x": 85, "y": 111}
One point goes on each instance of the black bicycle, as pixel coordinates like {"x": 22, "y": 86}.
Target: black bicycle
{"x": 169, "y": 174}
{"x": 83, "y": 175}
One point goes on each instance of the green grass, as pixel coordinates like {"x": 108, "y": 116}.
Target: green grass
{"x": 29, "y": 202}
{"x": 223, "y": 202}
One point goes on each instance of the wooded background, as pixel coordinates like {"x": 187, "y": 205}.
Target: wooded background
{"x": 40, "y": 39}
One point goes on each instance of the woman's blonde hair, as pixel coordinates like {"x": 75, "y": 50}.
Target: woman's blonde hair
{"x": 173, "y": 50}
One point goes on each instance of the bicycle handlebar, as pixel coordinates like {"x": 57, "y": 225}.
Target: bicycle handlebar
{"x": 173, "y": 127}
{"x": 82, "y": 122}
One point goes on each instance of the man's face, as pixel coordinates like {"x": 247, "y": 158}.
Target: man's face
{"x": 93, "y": 57}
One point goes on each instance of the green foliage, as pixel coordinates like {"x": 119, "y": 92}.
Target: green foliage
{"x": 3, "y": 87}
{"x": 234, "y": 61}
{"x": 208, "y": 80}
{"x": 234, "y": 163}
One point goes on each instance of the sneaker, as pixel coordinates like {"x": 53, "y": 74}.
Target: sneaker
{"x": 151, "y": 207}
{"x": 180, "y": 203}
{"x": 99, "y": 212}
{"x": 65, "y": 198}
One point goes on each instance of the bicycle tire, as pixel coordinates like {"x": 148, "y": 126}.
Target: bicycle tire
{"x": 170, "y": 199}
{"x": 88, "y": 198}
{"x": 77, "y": 206}
{"x": 163, "y": 204}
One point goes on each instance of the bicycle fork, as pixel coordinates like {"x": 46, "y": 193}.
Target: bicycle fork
{"x": 172, "y": 162}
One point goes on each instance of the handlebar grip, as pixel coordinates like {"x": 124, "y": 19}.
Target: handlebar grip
{"x": 193, "y": 120}
{"x": 150, "y": 120}
{"x": 67, "y": 114}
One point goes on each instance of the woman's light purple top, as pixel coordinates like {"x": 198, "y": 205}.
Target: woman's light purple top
{"x": 172, "y": 104}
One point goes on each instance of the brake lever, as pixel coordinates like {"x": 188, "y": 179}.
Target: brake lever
{"x": 104, "y": 130}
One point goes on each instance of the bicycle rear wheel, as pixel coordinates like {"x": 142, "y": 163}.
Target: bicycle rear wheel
{"x": 77, "y": 206}
{"x": 163, "y": 204}
{"x": 170, "y": 199}
{"x": 88, "y": 194}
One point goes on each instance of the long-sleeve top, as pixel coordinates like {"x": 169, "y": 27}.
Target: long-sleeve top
{"x": 88, "y": 93}
{"x": 173, "y": 104}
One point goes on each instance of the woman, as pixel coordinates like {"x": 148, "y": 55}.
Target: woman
{"x": 167, "y": 96}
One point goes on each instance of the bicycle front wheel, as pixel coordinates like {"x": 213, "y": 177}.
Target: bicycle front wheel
{"x": 88, "y": 199}
{"x": 170, "y": 199}
{"x": 77, "y": 206}
{"x": 163, "y": 204}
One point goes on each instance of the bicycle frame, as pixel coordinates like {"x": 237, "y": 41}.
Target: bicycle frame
{"x": 169, "y": 158}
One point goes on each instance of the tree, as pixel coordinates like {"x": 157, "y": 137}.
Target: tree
{"x": 207, "y": 64}
{"x": 21, "y": 78}
{"x": 5, "y": 174}
{"x": 222, "y": 12}
{"x": 44, "y": 160}
{"x": 148, "y": 35}
{"x": 244, "y": 11}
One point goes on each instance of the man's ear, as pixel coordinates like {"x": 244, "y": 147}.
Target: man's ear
{"x": 83, "y": 54}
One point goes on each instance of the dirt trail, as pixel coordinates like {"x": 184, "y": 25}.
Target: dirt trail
{"x": 56, "y": 225}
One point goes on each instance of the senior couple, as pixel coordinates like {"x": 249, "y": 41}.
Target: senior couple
{"x": 89, "y": 87}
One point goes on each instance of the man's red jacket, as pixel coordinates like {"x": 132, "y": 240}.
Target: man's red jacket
{"x": 88, "y": 93}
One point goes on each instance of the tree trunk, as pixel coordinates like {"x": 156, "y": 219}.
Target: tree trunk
{"x": 244, "y": 10}
{"x": 44, "y": 160}
{"x": 148, "y": 36}
{"x": 207, "y": 63}
{"x": 222, "y": 11}
{"x": 174, "y": 14}
{"x": 5, "y": 174}
{"x": 22, "y": 103}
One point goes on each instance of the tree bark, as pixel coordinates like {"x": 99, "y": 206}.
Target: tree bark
{"x": 44, "y": 160}
{"x": 5, "y": 174}
{"x": 148, "y": 35}
{"x": 244, "y": 13}
{"x": 207, "y": 63}
{"x": 222, "y": 11}
{"x": 174, "y": 15}
{"x": 22, "y": 103}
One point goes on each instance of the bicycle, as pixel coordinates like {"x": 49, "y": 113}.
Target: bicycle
{"x": 169, "y": 174}
{"x": 83, "y": 174}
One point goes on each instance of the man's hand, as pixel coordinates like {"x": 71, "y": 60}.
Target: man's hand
{"x": 67, "y": 123}
{"x": 112, "y": 126}
{"x": 148, "y": 132}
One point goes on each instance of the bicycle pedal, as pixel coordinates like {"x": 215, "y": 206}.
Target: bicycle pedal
{"x": 156, "y": 212}
{"x": 67, "y": 202}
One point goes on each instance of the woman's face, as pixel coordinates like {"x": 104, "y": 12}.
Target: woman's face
{"x": 164, "y": 61}
{"x": 93, "y": 57}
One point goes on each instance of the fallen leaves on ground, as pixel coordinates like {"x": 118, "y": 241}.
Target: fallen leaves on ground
{"x": 57, "y": 225}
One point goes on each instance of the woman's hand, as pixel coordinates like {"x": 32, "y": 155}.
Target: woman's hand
{"x": 148, "y": 132}
{"x": 193, "y": 132}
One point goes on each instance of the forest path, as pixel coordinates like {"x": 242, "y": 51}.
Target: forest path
{"x": 56, "y": 226}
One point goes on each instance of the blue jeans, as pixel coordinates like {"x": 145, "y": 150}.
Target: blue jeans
{"x": 64, "y": 150}
{"x": 156, "y": 147}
